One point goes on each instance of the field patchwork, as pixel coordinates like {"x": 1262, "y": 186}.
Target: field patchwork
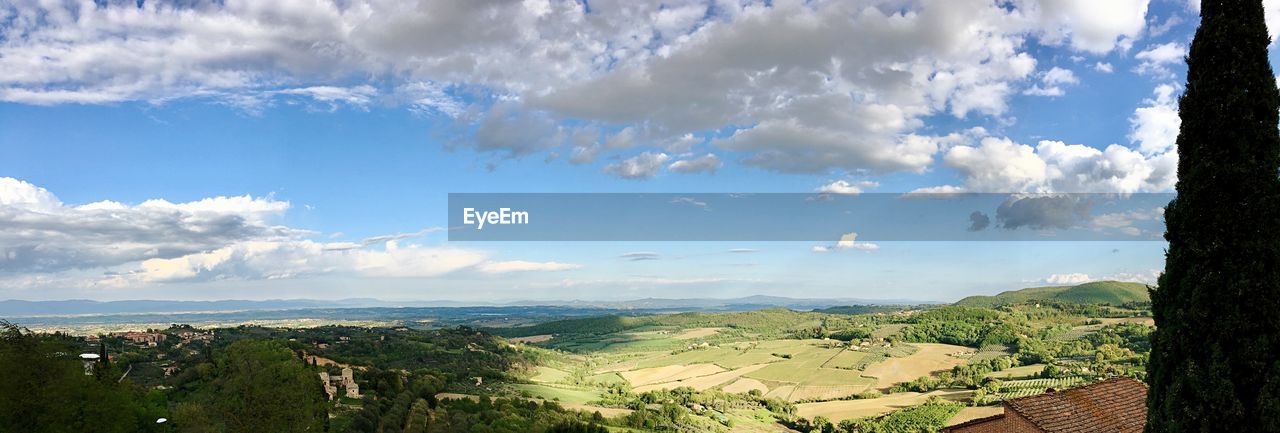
{"x": 840, "y": 410}
{"x": 703, "y": 382}
{"x": 670, "y": 373}
{"x": 930, "y": 358}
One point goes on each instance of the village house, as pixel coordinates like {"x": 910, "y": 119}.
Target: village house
{"x": 1111, "y": 406}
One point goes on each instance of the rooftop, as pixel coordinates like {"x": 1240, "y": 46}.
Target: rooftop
{"x": 1113, "y": 405}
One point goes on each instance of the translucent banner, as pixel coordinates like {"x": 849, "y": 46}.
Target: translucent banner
{"x": 805, "y": 217}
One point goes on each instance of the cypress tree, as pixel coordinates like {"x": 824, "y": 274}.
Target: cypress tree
{"x": 103, "y": 358}
{"x": 1214, "y": 360}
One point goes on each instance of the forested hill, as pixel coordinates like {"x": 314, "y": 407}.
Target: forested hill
{"x": 1099, "y": 292}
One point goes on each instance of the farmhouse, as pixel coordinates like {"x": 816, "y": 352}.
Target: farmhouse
{"x": 1114, "y": 405}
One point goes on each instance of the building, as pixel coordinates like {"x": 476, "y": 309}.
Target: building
{"x": 1112, "y": 406}
{"x": 89, "y": 360}
{"x": 146, "y": 338}
{"x": 347, "y": 381}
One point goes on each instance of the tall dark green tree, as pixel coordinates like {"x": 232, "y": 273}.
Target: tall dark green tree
{"x": 1215, "y": 360}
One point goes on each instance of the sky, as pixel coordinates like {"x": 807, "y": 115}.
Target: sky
{"x": 243, "y": 149}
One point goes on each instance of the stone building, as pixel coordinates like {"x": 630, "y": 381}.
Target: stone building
{"x": 347, "y": 381}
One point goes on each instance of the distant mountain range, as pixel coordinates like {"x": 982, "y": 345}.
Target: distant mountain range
{"x": 78, "y": 307}
{"x": 1099, "y": 292}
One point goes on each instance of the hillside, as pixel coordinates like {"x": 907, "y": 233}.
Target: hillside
{"x": 1098, "y": 292}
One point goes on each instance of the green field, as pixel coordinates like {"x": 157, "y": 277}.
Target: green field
{"x": 557, "y": 393}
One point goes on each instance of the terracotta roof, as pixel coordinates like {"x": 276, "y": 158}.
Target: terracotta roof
{"x": 971, "y": 422}
{"x": 1115, "y": 405}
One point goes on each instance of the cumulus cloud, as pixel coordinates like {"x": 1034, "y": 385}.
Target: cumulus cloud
{"x": 39, "y": 233}
{"x": 998, "y": 164}
{"x": 1070, "y": 279}
{"x": 642, "y": 166}
{"x": 1156, "y": 60}
{"x": 44, "y": 240}
{"x": 1052, "y": 82}
{"x": 1096, "y": 27}
{"x": 1039, "y": 212}
{"x": 1103, "y": 67}
{"x": 781, "y": 76}
{"x": 1154, "y": 126}
{"x": 846, "y": 188}
{"x": 708, "y": 163}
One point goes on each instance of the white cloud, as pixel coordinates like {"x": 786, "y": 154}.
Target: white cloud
{"x": 43, "y": 240}
{"x": 940, "y": 189}
{"x": 1052, "y": 82}
{"x": 998, "y": 165}
{"x": 642, "y": 166}
{"x": 524, "y": 266}
{"x": 1092, "y": 26}
{"x": 38, "y": 233}
{"x": 845, "y": 187}
{"x": 1148, "y": 277}
{"x": 1036, "y": 90}
{"x": 784, "y": 70}
{"x": 1001, "y": 165}
{"x": 426, "y": 97}
{"x": 1155, "y": 125}
{"x": 1155, "y": 60}
{"x": 359, "y": 96}
{"x": 1103, "y": 67}
{"x": 1068, "y": 279}
{"x": 708, "y": 163}
{"x": 781, "y": 79}
{"x": 1059, "y": 76}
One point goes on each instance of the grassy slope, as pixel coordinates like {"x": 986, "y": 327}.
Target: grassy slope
{"x": 1100, "y": 292}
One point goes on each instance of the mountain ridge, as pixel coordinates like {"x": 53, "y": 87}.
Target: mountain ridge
{"x": 1095, "y": 292}
{"x": 85, "y": 307}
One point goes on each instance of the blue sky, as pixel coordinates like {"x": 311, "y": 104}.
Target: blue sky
{"x": 249, "y": 150}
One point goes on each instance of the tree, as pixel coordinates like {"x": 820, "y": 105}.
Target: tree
{"x": 45, "y": 389}
{"x": 103, "y": 357}
{"x": 258, "y": 386}
{"x": 1214, "y": 363}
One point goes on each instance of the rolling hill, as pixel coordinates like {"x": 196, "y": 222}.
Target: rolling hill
{"x": 1098, "y": 292}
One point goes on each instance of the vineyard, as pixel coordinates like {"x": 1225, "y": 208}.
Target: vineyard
{"x": 1023, "y": 388}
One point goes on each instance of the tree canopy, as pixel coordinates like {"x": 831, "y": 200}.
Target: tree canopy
{"x": 1213, "y": 363}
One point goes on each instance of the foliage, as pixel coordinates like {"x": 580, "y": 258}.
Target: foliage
{"x": 254, "y": 386}
{"x": 1098, "y": 292}
{"x": 974, "y": 327}
{"x": 1217, "y": 309}
{"x": 928, "y": 417}
{"x": 45, "y": 389}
